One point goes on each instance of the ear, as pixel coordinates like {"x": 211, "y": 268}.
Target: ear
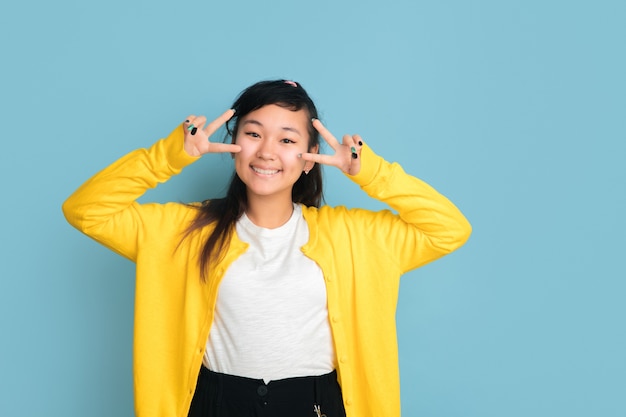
{"x": 308, "y": 166}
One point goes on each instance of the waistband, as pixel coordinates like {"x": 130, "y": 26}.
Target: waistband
{"x": 304, "y": 380}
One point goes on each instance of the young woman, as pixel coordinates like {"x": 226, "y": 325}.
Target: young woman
{"x": 263, "y": 303}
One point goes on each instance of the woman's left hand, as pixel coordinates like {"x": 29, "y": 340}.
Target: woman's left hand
{"x": 347, "y": 155}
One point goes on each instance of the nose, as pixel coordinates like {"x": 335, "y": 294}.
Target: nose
{"x": 266, "y": 149}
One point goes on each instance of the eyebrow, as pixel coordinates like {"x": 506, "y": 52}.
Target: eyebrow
{"x": 287, "y": 128}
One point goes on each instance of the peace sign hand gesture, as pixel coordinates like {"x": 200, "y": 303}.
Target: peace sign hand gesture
{"x": 197, "y": 136}
{"x": 347, "y": 154}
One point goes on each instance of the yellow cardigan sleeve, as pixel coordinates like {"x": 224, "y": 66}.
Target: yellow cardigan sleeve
{"x": 427, "y": 225}
{"x": 105, "y": 206}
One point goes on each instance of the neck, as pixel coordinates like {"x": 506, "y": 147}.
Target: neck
{"x": 269, "y": 213}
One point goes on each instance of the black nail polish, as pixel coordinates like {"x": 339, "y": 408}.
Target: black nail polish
{"x": 186, "y": 121}
{"x": 354, "y": 155}
{"x": 360, "y": 143}
{"x": 194, "y": 130}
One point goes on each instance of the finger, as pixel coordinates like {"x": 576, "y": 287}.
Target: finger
{"x": 189, "y": 122}
{"x": 217, "y": 147}
{"x": 359, "y": 140}
{"x": 328, "y": 137}
{"x": 319, "y": 158}
{"x": 217, "y": 123}
{"x": 351, "y": 141}
{"x": 198, "y": 123}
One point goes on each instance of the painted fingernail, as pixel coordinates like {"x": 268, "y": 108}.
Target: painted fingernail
{"x": 353, "y": 150}
{"x": 313, "y": 119}
{"x": 299, "y": 155}
{"x": 187, "y": 121}
{"x": 194, "y": 130}
{"x": 354, "y": 155}
{"x": 191, "y": 126}
{"x": 360, "y": 143}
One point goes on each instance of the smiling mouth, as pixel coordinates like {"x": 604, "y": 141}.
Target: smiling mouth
{"x": 265, "y": 171}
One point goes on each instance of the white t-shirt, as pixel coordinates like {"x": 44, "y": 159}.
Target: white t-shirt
{"x": 271, "y": 317}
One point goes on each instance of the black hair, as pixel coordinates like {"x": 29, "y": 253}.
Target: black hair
{"x": 224, "y": 212}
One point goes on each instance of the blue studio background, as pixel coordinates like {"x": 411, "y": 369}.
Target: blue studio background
{"x": 514, "y": 109}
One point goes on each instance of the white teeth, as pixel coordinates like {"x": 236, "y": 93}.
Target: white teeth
{"x": 265, "y": 171}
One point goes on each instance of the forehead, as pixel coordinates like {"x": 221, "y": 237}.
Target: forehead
{"x": 274, "y": 116}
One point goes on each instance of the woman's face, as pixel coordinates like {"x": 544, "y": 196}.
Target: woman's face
{"x": 271, "y": 138}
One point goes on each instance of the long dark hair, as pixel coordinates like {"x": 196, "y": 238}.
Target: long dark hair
{"x": 224, "y": 212}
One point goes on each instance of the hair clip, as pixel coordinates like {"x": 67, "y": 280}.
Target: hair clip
{"x": 291, "y": 83}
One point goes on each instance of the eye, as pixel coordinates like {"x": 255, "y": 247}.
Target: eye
{"x": 287, "y": 140}
{"x": 253, "y": 134}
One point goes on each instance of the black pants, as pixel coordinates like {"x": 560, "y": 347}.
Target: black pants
{"x": 221, "y": 395}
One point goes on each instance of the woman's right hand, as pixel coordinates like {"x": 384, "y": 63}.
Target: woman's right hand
{"x": 197, "y": 135}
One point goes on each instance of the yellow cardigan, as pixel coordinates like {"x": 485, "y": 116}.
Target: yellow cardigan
{"x": 361, "y": 253}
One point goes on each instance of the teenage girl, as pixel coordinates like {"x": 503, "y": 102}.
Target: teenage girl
{"x": 265, "y": 302}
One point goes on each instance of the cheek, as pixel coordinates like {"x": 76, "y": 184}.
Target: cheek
{"x": 290, "y": 156}
{"x": 242, "y": 160}
{"x": 247, "y": 149}
{"x": 245, "y": 152}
